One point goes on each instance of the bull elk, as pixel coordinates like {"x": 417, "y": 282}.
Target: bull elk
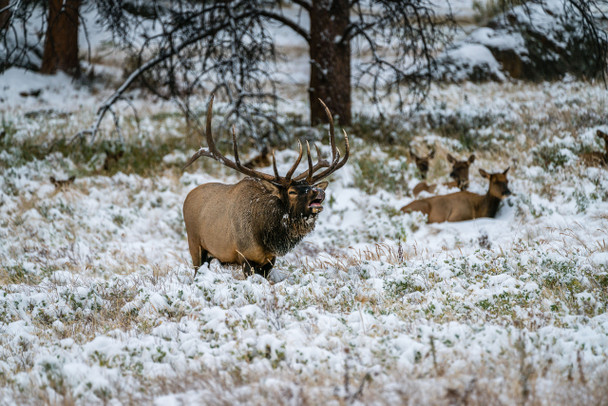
{"x": 460, "y": 174}
{"x": 423, "y": 162}
{"x": 261, "y": 217}
{"x": 597, "y": 158}
{"x": 461, "y": 206}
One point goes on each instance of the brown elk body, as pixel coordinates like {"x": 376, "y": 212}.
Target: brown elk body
{"x": 423, "y": 163}
{"x": 597, "y": 158}
{"x": 461, "y": 206}
{"x": 460, "y": 174}
{"x": 261, "y": 217}
{"x": 60, "y": 183}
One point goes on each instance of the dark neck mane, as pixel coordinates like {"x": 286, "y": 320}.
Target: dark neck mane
{"x": 282, "y": 231}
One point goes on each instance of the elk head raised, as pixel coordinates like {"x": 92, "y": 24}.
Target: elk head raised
{"x": 423, "y": 162}
{"x": 463, "y": 205}
{"x": 499, "y": 184}
{"x": 263, "y": 216}
{"x": 460, "y": 171}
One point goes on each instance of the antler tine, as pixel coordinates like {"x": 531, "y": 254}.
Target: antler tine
{"x": 332, "y": 138}
{"x": 321, "y": 163}
{"x": 212, "y": 152}
{"x": 309, "y": 156}
{"x": 335, "y": 165}
{"x": 274, "y": 166}
{"x": 211, "y": 145}
{"x": 208, "y": 134}
{"x": 234, "y": 146}
{"x": 295, "y": 165}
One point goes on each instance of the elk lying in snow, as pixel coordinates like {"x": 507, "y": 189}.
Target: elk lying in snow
{"x": 461, "y": 206}
{"x": 460, "y": 174}
{"x": 597, "y": 158}
{"x": 60, "y": 183}
{"x": 263, "y": 216}
{"x": 422, "y": 163}
{"x": 262, "y": 160}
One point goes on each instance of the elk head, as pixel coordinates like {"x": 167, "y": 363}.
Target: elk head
{"x": 460, "y": 171}
{"x": 263, "y": 215}
{"x": 304, "y": 194}
{"x": 423, "y": 163}
{"x": 603, "y": 135}
{"x": 499, "y": 184}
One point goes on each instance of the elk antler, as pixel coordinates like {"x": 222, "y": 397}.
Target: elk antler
{"x": 335, "y": 155}
{"x": 286, "y": 180}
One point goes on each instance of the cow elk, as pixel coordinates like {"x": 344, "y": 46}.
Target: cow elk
{"x": 261, "y": 217}
{"x": 423, "y": 163}
{"x": 61, "y": 183}
{"x": 597, "y": 158}
{"x": 459, "y": 174}
{"x": 461, "y": 206}
{"x": 262, "y": 160}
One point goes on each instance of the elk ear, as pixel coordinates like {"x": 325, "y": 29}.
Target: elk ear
{"x": 322, "y": 185}
{"x": 506, "y": 170}
{"x": 451, "y": 159}
{"x": 484, "y": 174}
{"x": 602, "y": 134}
{"x": 471, "y": 159}
{"x": 271, "y": 188}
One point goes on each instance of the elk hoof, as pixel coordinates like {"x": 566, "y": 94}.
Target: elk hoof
{"x": 247, "y": 270}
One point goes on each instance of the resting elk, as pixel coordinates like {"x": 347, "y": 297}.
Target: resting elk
{"x": 261, "y": 160}
{"x": 597, "y": 158}
{"x": 461, "y": 206}
{"x": 460, "y": 174}
{"x": 423, "y": 163}
{"x": 261, "y": 217}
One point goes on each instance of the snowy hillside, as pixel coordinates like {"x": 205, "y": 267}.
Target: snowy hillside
{"x": 98, "y": 303}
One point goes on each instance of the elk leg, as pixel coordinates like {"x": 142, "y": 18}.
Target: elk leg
{"x": 265, "y": 269}
{"x": 248, "y": 269}
{"x": 198, "y": 254}
{"x": 205, "y": 258}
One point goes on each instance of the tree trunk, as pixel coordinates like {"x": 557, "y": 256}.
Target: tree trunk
{"x": 330, "y": 61}
{"x": 5, "y": 15}
{"x": 61, "y": 41}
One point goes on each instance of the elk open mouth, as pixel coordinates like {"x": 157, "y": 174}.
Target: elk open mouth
{"x": 316, "y": 204}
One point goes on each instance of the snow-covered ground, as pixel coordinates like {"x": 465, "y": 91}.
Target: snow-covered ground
{"x": 99, "y": 305}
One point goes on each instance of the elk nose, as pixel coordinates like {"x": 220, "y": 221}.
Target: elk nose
{"x": 507, "y": 192}
{"x": 320, "y": 194}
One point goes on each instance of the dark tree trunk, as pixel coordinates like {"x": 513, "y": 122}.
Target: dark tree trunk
{"x": 61, "y": 41}
{"x": 4, "y": 16}
{"x": 330, "y": 61}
